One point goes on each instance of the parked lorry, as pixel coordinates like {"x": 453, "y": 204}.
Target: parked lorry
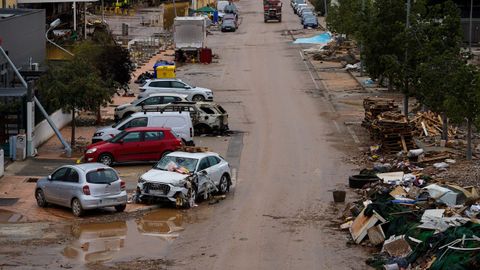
{"x": 272, "y": 10}
{"x": 189, "y": 33}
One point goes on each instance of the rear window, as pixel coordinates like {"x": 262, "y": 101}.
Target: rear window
{"x": 102, "y": 176}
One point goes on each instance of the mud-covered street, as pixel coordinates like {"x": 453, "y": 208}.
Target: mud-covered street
{"x": 288, "y": 154}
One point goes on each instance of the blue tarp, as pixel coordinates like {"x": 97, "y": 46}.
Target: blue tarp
{"x": 318, "y": 39}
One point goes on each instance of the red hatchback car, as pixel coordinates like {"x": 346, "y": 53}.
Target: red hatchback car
{"x": 134, "y": 144}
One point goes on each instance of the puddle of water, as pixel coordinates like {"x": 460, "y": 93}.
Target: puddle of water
{"x": 9, "y": 216}
{"x": 146, "y": 237}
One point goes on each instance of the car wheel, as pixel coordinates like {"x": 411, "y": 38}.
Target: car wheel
{"x": 202, "y": 129}
{"x": 224, "y": 185}
{"x": 198, "y": 98}
{"x": 41, "y": 202}
{"x": 77, "y": 209}
{"x": 120, "y": 208}
{"x": 106, "y": 159}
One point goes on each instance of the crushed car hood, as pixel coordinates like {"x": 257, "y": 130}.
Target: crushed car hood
{"x": 166, "y": 177}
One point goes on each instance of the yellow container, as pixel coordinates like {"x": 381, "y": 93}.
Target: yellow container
{"x": 165, "y": 72}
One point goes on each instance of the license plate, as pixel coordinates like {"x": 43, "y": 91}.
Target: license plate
{"x": 157, "y": 192}
{"x": 108, "y": 201}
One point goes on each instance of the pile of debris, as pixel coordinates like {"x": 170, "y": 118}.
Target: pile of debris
{"x": 430, "y": 124}
{"x": 374, "y": 106}
{"x": 385, "y": 123}
{"x": 336, "y": 51}
{"x": 418, "y": 222}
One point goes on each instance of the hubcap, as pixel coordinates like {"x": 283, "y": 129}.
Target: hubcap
{"x": 223, "y": 184}
{"x": 76, "y": 207}
{"x": 39, "y": 197}
{"x": 106, "y": 160}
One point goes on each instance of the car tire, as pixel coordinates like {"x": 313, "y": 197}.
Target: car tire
{"x": 105, "y": 159}
{"x": 120, "y": 208}
{"x": 198, "y": 98}
{"x": 224, "y": 185}
{"x": 202, "y": 129}
{"x": 40, "y": 197}
{"x": 77, "y": 209}
{"x": 360, "y": 180}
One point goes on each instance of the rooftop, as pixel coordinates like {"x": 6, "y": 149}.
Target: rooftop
{"x": 8, "y": 13}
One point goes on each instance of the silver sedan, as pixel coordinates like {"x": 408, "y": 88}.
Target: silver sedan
{"x": 82, "y": 187}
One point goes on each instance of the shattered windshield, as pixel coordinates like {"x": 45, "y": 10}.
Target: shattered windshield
{"x": 177, "y": 164}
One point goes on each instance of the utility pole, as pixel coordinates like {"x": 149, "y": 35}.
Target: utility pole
{"x": 470, "y": 27}
{"x": 325, "y": 3}
{"x": 406, "y": 94}
{"x": 361, "y": 45}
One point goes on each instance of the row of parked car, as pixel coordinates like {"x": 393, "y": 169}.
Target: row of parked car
{"x": 150, "y": 129}
{"x": 308, "y": 17}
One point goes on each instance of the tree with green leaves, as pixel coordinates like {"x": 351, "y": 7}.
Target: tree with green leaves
{"x": 74, "y": 85}
{"x": 463, "y": 100}
{"x": 435, "y": 40}
{"x": 345, "y": 16}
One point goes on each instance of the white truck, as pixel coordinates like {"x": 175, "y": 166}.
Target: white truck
{"x": 189, "y": 33}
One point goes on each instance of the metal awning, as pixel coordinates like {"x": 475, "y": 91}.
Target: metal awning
{"x": 13, "y": 92}
{"x": 52, "y": 1}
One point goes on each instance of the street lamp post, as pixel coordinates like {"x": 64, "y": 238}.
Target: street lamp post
{"x": 52, "y": 26}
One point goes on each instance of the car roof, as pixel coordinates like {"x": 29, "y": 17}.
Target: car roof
{"x": 166, "y": 94}
{"x": 164, "y": 79}
{"x": 147, "y": 113}
{"x": 192, "y": 155}
{"x": 148, "y": 129}
{"x": 91, "y": 166}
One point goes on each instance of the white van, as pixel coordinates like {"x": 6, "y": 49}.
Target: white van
{"x": 179, "y": 122}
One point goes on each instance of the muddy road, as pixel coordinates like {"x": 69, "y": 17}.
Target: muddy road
{"x": 288, "y": 153}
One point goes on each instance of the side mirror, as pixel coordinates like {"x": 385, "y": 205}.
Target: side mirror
{"x": 49, "y": 178}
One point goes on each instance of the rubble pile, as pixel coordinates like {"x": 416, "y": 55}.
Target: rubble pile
{"x": 336, "y": 51}
{"x": 416, "y": 221}
{"x": 385, "y": 123}
{"x": 430, "y": 124}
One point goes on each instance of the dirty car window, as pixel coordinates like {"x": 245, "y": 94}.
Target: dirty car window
{"x": 102, "y": 176}
{"x": 188, "y": 163}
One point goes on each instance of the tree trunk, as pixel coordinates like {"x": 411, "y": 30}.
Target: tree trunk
{"x": 405, "y": 105}
{"x": 444, "y": 127}
{"x": 72, "y": 140}
{"x": 390, "y": 84}
{"x": 469, "y": 139}
{"x": 99, "y": 116}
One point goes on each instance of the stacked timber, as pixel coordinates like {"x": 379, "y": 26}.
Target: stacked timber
{"x": 430, "y": 124}
{"x": 394, "y": 131}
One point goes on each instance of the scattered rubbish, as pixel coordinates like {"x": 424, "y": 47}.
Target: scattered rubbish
{"x": 430, "y": 124}
{"x": 442, "y": 194}
{"x": 376, "y": 236}
{"x": 441, "y": 165}
{"x": 360, "y": 180}
{"x": 391, "y": 177}
{"x": 415, "y": 153}
{"x": 368, "y": 82}
{"x": 397, "y": 246}
{"x": 339, "y": 196}
{"x": 362, "y": 223}
{"x": 346, "y": 225}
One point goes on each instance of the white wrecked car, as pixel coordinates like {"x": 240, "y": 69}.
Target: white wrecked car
{"x": 181, "y": 177}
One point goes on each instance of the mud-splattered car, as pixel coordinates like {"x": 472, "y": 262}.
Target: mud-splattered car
{"x": 207, "y": 117}
{"x": 181, "y": 177}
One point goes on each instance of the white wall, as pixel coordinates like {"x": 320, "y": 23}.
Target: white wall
{"x": 43, "y": 131}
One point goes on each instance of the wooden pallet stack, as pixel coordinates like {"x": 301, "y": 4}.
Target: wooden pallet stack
{"x": 374, "y": 106}
{"x": 394, "y": 131}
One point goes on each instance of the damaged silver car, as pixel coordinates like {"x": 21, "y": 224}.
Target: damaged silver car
{"x": 207, "y": 117}
{"x": 181, "y": 177}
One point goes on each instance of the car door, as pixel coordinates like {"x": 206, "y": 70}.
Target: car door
{"x": 154, "y": 144}
{"x": 68, "y": 186}
{"x": 203, "y": 165}
{"x": 135, "y": 122}
{"x": 179, "y": 87}
{"x": 151, "y": 102}
{"x": 214, "y": 171}
{"x": 129, "y": 147}
{"x": 51, "y": 190}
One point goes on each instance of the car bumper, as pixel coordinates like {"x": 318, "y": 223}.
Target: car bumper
{"x": 90, "y": 157}
{"x": 170, "y": 196}
{"x": 91, "y": 202}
